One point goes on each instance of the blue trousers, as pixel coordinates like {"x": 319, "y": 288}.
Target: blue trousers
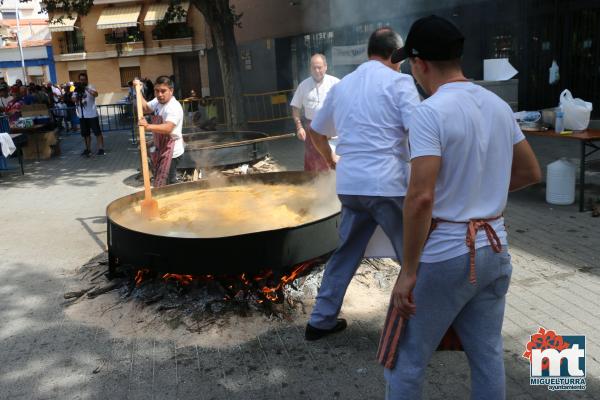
{"x": 360, "y": 216}
{"x": 443, "y": 297}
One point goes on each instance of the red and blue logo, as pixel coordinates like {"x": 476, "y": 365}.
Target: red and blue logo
{"x": 556, "y": 361}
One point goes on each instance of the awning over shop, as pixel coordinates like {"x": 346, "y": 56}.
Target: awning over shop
{"x": 157, "y": 12}
{"x": 119, "y": 17}
{"x": 65, "y": 25}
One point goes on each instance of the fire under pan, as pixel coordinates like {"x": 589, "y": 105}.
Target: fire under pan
{"x": 220, "y": 149}
{"x": 277, "y": 250}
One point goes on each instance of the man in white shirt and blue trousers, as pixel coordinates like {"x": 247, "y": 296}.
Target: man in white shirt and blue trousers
{"x": 368, "y": 110}
{"x": 467, "y": 153}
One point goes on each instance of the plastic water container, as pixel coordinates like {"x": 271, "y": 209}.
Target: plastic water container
{"x": 560, "y": 182}
{"x": 559, "y": 122}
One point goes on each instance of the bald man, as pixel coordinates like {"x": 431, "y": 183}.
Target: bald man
{"x": 310, "y": 95}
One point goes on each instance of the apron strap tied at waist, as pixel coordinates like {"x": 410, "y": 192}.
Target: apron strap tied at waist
{"x": 394, "y": 323}
{"x": 473, "y": 226}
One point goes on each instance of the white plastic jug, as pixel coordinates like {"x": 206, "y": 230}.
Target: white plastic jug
{"x": 577, "y": 112}
{"x": 560, "y": 182}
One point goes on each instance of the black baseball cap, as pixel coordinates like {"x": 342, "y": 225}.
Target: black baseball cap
{"x": 431, "y": 38}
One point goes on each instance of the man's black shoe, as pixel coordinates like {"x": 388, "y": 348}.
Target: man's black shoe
{"x": 86, "y": 153}
{"x": 100, "y": 152}
{"x": 313, "y": 333}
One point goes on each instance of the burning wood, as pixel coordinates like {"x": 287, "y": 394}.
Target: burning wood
{"x": 216, "y": 306}
{"x": 258, "y": 288}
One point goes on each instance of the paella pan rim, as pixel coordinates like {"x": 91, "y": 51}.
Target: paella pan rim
{"x": 315, "y": 222}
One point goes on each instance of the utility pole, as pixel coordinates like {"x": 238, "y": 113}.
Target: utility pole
{"x": 19, "y": 44}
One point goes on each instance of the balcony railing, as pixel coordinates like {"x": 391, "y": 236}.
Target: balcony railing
{"x": 70, "y": 47}
{"x": 173, "y": 31}
{"x": 124, "y": 37}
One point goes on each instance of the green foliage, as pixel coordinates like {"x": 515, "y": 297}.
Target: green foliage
{"x": 67, "y": 7}
{"x": 174, "y": 12}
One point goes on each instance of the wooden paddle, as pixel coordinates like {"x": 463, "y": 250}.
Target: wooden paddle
{"x": 149, "y": 205}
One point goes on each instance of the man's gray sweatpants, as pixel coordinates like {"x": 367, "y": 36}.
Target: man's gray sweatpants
{"x": 360, "y": 217}
{"x": 443, "y": 297}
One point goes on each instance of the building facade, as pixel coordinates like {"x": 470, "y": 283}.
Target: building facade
{"x": 119, "y": 40}
{"x": 35, "y": 42}
{"x": 277, "y": 38}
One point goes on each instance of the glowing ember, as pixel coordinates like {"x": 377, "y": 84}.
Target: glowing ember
{"x": 139, "y": 277}
{"x": 184, "y": 280}
{"x": 260, "y": 287}
{"x": 271, "y": 292}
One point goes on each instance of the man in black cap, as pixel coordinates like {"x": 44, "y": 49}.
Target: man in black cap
{"x": 467, "y": 153}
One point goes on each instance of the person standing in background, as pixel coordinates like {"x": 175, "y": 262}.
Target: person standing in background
{"x": 310, "y": 96}
{"x": 5, "y": 99}
{"x": 84, "y": 97}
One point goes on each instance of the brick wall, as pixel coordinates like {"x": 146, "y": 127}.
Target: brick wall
{"x": 102, "y": 64}
{"x": 154, "y": 66}
{"x": 104, "y": 75}
{"x": 264, "y": 19}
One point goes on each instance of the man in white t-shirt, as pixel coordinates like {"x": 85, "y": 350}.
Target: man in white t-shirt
{"x": 84, "y": 97}
{"x": 467, "y": 153}
{"x": 54, "y": 91}
{"x": 369, "y": 111}
{"x": 166, "y": 126}
{"x": 310, "y": 96}
{"x": 4, "y": 98}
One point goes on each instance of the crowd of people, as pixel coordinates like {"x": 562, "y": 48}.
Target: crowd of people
{"x": 14, "y": 97}
{"x": 72, "y": 104}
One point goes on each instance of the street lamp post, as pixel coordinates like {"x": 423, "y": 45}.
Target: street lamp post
{"x": 19, "y": 44}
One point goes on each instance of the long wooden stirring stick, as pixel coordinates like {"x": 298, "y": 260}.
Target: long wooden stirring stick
{"x": 149, "y": 205}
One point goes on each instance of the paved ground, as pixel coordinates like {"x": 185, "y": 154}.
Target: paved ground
{"x": 52, "y": 222}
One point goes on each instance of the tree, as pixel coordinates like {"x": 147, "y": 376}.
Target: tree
{"x": 221, "y": 18}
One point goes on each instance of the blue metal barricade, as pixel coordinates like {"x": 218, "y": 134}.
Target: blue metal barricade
{"x": 64, "y": 117}
{"x": 112, "y": 117}
{"x": 117, "y": 117}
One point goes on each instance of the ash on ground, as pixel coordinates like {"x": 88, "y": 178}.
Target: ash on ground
{"x": 203, "y": 304}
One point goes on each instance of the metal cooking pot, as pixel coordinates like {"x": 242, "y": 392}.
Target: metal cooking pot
{"x": 200, "y": 151}
{"x": 278, "y": 250}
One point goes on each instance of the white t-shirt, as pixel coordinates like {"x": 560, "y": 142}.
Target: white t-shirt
{"x": 171, "y": 112}
{"x": 368, "y": 110}
{"x": 311, "y": 95}
{"x": 56, "y": 93}
{"x": 473, "y": 131}
{"x": 88, "y": 102}
{"x": 5, "y": 100}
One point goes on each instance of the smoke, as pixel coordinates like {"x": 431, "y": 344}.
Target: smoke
{"x": 326, "y": 201}
{"x": 354, "y": 12}
{"x": 349, "y": 24}
{"x": 227, "y": 208}
{"x": 359, "y": 18}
